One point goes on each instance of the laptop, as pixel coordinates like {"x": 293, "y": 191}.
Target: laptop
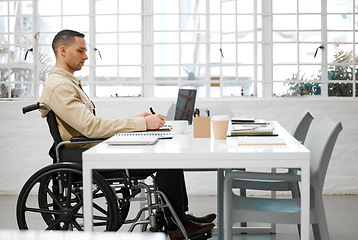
{"x": 185, "y": 105}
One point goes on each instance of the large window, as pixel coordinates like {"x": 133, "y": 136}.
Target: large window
{"x": 151, "y": 48}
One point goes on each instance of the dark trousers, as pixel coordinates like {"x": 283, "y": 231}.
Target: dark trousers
{"x": 172, "y": 183}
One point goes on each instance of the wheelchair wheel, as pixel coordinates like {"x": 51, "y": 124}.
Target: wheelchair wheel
{"x": 59, "y": 202}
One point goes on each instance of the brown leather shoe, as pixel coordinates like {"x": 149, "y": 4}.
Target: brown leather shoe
{"x": 206, "y": 219}
{"x": 191, "y": 228}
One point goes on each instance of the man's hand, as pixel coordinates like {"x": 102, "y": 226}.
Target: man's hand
{"x": 155, "y": 121}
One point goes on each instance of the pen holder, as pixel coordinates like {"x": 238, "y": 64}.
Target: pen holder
{"x": 201, "y": 127}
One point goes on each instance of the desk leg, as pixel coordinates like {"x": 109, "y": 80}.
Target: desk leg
{"x": 305, "y": 201}
{"x": 87, "y": 197}
{"x": 220, "y": 203}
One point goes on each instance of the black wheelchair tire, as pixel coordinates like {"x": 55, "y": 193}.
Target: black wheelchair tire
{"x": 62, "y": 215}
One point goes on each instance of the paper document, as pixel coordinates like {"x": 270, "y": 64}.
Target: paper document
{"x": 260, "y": 141}
{"x": 250, "y": 130}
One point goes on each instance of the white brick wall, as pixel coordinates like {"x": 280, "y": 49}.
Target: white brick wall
{"x": 25, "y": 140}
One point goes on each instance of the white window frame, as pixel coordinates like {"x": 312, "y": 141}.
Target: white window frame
{"x": 148, "y": 79}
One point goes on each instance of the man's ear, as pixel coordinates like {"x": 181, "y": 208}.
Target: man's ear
{"x": 62, "y": 50}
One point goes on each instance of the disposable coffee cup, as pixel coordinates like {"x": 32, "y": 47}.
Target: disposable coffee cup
{"x": 179, "y": 126}
{"x": 220, "y": 125}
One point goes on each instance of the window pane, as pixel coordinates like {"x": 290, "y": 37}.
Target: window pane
{"x": 193, "y": 73}
{"x": 129, "y": 23}
{"x": 339, "y": 22}
{"x": 341, "y": 6}
{"x": 166, "y": 54}
{"x": 189, "y": 6}
{"x": 118, "y": 90}
{"x": 310, "y": 36}
{"x": 49, "y": 24}
{"x": 284, "y": 53}
{"x": 106, "y": 38}
{"x": 192, "y": 22}
{"x": 309, "y": 22}
{"x": 75, "y": 8}
{"x": 106, "y": 6}
{"x": 109, "y": 54}
{"x": 192, "y": 53}
{"x": 165, "y": 6}
{"x": 106, "y": 23}
{"x": 129, "y": 54}
{"x": 245, "y": 53}
{"x": 284, "y": 22}
{"x": 244, "y": 6}
{"x": 20, "y": 7}
{"x": 307, "y": 52}
{"x": 49, "y": 7}
{"x": 309, "y": 6}
{"x": 166, "y": 73}
{"x": 281, "y": 73}
{"x": 163, "y": 22}
{"x": 284, "y": 6}
{"x": 124, "y": 6}
{"x": 172, "y": 37}
{"x": 80, "y": 24}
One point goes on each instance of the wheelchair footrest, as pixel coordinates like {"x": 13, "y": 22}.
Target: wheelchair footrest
{"x": 203, "y": 236}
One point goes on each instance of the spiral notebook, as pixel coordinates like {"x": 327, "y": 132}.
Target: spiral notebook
{"x": 161, "y": 134}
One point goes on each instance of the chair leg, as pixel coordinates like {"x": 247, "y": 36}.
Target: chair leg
{"x": 228, "y": 208}
{"x": 295, "y": 191}
{"x": 320, "y": 229}
{"x": 243, "y": 193}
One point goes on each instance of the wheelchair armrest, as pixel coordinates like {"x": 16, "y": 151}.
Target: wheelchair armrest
{"x": 86, "y": 139}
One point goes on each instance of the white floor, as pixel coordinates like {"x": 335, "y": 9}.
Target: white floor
{"x": 341, "y": 211}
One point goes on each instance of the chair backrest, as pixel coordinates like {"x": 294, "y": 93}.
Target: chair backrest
{"x": 171, "y": 112}
{"x": 321, "y": 146}
{"x": 301, "y": 130}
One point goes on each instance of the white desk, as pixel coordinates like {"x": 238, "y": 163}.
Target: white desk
{"x": 184, "y": 151}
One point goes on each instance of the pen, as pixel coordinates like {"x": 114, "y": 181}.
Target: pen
{"x": 151, "y": 110}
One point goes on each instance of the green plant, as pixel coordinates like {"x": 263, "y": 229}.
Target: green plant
{"x": 340, "y": 73}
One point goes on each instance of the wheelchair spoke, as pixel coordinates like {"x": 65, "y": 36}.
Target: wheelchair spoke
{"x": 96, "y": 206}
{"x": 41, "y": 210}
{"x": 95, "y": 217}
{"x": 77, "y": 206}
{"x": 77, "y": 226}
{"x": 54, "y": 224}
{"x": 52, "y": 195}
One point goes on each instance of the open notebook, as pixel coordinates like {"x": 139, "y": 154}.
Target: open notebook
{"x": 132, "y": 140}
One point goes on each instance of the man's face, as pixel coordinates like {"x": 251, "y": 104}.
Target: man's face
{"x": 76, "y": 54}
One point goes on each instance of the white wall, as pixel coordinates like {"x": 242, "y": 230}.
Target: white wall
{"x": 25, "y": 140}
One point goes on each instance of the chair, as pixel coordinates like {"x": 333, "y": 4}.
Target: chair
{"x": 286, "y": 211}
{"x": 58, "y": 188}
{"x": 300, "y": 133}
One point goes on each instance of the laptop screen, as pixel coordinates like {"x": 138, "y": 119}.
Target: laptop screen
{"x": 185, "y": 105}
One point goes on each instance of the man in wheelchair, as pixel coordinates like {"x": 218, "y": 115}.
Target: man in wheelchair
{"x": 75, "y": 115}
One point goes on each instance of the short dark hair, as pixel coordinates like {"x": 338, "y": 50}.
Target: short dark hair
{"x": 65, "y": 37}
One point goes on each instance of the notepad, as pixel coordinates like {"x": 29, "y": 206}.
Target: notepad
{"x": 251, "y": 131}
{"x": 132, "y": 140}
{"x": 161, "y": 134}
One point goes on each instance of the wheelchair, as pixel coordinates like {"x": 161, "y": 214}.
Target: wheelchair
{"x": 52, "y": 198}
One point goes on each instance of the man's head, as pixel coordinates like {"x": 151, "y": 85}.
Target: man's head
{"x": 70, "y": 50}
